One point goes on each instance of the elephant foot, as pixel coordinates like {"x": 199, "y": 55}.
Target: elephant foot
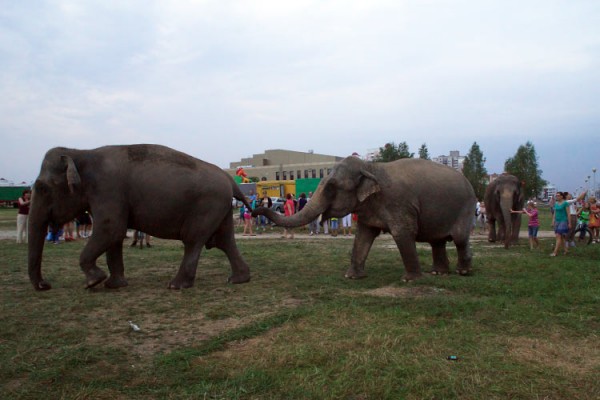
{"x": 42, "y": 285}
{"x": 94, "y": 277}
{"x": 411, "y": 276}
{"x": 436, "y": 271}
{"x": 463, "y": 271}
{"x": 115, "y": 282}
{"x": 354, "y": 274}
{"x": 239, "y": 278}
{"x": 176, "y": 285}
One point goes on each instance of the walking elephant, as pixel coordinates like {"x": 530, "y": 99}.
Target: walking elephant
{"x": 502, "y": 195}
{"x": 150, "y": 188}
{"x": 415, "y": 200}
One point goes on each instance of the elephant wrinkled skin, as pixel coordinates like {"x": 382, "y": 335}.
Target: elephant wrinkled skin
{"x": 502, "y": 195}
{"x": 150, "y": 188}
{"x": 415, "y": 200}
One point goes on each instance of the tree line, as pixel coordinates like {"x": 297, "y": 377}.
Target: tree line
{"x": 523, "y": 165}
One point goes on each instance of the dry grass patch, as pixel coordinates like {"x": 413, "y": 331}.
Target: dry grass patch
{"x": 575, "y": 356}
{"x": 405, "y": 292}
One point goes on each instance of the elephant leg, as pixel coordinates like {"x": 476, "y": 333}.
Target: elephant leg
{"x": 224, "y": 240}
{"x": 360, "y": 250}
{"x": 492, "y": 230}
{"x": 87, "y": 260}
{"x": 114, "y": 259}
{"x": 501, "y": 231}
{"x": 187, "y": 269}
{"x": 441, "y": 265}
{"x": 465, "y": 257}
{"x": 408, "y": 251}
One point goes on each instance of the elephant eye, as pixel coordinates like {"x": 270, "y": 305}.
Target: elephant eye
{"x": 40, "y": 187}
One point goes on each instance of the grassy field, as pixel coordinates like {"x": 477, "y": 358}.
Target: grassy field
{"x": 524, "y": 326}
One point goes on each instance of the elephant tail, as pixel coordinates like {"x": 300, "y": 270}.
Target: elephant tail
{"x": 238, "y": 195}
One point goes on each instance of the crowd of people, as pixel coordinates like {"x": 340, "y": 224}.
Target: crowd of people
{"x": 291, "y": 206}
{"x": 569, "y": 216}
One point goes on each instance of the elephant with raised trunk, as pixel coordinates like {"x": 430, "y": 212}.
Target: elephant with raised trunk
{"x": 503, "y": 194}
{"x": 150, "y": 188}
{"x": 415, "y": 200}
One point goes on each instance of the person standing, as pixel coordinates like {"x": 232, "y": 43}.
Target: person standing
{"x": 482, "y": 218}
{"x": 267, "y": 203}
{"x": 561, "y": 222}
{"x": 594, "y": 224}
{"x": 23, "y": 215}
{"x": 583, "y": 219}
{"x": 334, "y": 225}
{"x": 248, "y": 222}
{"x": 534, "y": 223}
{"x": 289, "y": 209}
{"x": 573, "y": 216}
{"x": 347, "y": 225}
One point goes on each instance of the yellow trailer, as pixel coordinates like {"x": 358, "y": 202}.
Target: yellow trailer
{"x": 276, "y": 188}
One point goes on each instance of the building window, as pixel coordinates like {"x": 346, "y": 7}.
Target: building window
{"x": 291, "y": 175}
{"x": 276, "y": 175}
{"x": 314, "y": 173}
{"x": 285, "y": 175}
{"x": 305, "y": 173}
{"x": 321, "y": 173}
{"x": 298, "y": 174}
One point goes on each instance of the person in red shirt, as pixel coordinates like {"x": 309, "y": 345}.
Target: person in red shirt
{"x": 23, "y": 216}
{"x": 289, "y": 209}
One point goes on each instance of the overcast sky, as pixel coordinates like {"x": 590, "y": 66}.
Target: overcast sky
{"x": 222, "y": 80}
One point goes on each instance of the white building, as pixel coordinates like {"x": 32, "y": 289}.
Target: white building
{"x": 454, "y": 160}
{"x": 548, "y": 192}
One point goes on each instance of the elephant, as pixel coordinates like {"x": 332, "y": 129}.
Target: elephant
{"x": 150, "y": 188}
{"x": 503, "y": 194}
{"x": 414, "y": 200}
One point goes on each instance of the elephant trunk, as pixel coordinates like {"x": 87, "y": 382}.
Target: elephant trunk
{"x": 311, "y": 211}
{"x": 36, "y": 231}
{"x": 506, "y": 203}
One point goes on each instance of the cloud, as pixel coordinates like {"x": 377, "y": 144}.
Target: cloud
{"x": 223, "y": 80}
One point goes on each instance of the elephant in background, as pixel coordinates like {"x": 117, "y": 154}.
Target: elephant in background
{"x": 150, "y": 188}
{"x": 415, "y": 200}
{"x": 503, "y": 194}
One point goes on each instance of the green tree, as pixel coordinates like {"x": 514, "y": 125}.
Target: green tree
{"x": 423, "y": 152}
{"x": 524, "y": 165}
{"x": 474, "y": 170}
{"x": 391, "y": 152}
{"x": 404, "y": 152}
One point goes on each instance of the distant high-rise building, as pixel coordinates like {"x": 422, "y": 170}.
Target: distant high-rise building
{"x": 454, "y": 160}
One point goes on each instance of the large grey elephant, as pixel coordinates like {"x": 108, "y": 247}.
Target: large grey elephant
{"x": 415, "y": 200}
{"x": 151, "y": 188}
{"x": 503, "y": 194}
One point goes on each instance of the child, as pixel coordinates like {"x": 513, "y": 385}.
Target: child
{"x": 334, "y": 226}
{"x": 248, "y": 223}
{"x": 583, "y": 219}
{"x": 594, "y": 223}
{"x": 534, "y": 223}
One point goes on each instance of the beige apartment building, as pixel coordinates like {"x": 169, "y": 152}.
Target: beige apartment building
{"x": 282, "y": 165}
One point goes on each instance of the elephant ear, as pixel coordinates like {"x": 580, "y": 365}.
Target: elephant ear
{"x": 368, "y": 185}
{"x": 73, "y": 178}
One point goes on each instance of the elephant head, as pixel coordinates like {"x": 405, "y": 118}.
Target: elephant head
{"x": 350, "y": 183}
{"x": 57, "y": 198}
{"x": 503, "y": 195}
